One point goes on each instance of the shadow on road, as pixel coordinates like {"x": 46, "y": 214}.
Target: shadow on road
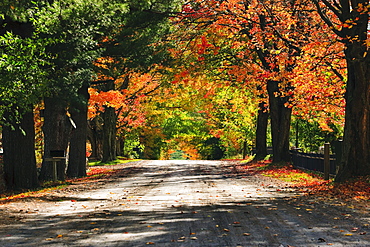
{"x": 186, "y": 205}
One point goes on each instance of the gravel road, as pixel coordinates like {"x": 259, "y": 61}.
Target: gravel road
{"x": 182, "y": 203}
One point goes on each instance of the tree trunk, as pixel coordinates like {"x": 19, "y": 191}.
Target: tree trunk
{"x": 77, "y": 146}
{"x": 109, "y": 134}
{"x": 120, "y": 146}
{"x": 95, "y": 136}
{"x": 261, "y": 132}
{"x": 280, "y": 123}
{"x": 57, "y": 129}
{"x": 356, "y": 141}
{"x": 19, "y": 154}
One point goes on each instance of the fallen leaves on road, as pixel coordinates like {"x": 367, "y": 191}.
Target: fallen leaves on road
{"x": 93, "y": 174}
{"x": 311, "y": 183}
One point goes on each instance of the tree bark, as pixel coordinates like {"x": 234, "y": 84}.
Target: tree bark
{"x": 19, "y": 153}
{"x": 77, "y": 146}
{"x": 280, "y": 123}
{"x": 109, "y": 134}
{"x": 57, "y": 129}
{"x": 120, "y": 146}
{"x": 356, "y": 141}
{"x": 261, "y": 132}
{"x": 355, "y": 159}
{"x": 95, "y": 136}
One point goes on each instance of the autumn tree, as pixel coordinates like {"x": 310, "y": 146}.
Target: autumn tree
{"x": 128, "y": 105}
{"x": 137, "y": 46}
{"x": 221, "y": 110}
{"x": 349, "y": 20}
{"x": 251, "y": 30}
{"x": 270, "y": 40}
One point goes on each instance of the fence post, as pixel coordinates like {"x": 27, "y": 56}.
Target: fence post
{"x": 326, "y": 161}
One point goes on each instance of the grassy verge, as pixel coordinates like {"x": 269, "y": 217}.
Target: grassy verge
{"x": 93, "y": 173}
{"x": 110, "y": 163}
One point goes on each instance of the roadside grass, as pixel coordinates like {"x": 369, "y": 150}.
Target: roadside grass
{"x": 119, "y": 160}
{"x": 92, "y": 173}
{"x": 294, "y": 176}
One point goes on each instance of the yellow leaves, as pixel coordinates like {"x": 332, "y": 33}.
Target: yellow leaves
{"x": 349, "y": 23}
{"x": 367, "y": 42}
{"x": 275, "y": 52}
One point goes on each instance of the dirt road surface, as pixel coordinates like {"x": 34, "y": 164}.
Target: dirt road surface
{"x": 181, "y": 203}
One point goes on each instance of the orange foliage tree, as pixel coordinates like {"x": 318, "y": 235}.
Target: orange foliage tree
{"x": 269, "y": 45}
{"x": 349, "y": 21}
{"x": 125, "y": 105}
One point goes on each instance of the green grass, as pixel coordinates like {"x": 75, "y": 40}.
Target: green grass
{"x": 110, "y": 163}
{"x": 249, "y": 159}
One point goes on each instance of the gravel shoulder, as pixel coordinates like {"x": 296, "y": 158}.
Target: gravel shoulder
{"x": 181, "y": 203}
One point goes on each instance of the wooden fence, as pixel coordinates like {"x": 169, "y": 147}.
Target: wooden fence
{"x": 312, "y": 161}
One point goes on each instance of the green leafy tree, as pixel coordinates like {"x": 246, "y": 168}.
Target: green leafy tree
{"x": 22, "y": 56}
{"x": 76, "y": 27}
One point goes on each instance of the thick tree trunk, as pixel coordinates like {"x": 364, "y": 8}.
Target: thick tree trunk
{"x": 109, "y": 134}
{"x": 261, "y": 132}
{"x": 355, "y": 159}
{"x": 57, "y": 129}
{"x": 280, "y": 123}
{"x": 356, "y": 141}
{"x": 19, "y": 154}
{"x": 77, "y": 146}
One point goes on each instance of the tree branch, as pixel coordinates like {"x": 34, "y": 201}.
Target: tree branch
{"x": 326, "y": 19}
